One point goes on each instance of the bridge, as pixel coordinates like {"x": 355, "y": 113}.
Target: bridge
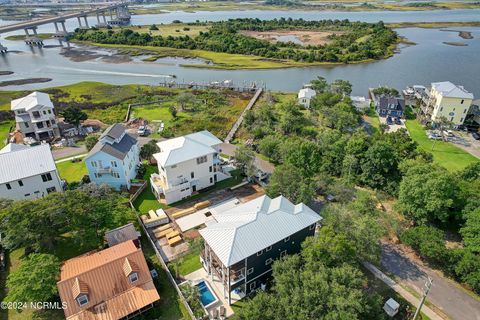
{"x": 118, "y": 13}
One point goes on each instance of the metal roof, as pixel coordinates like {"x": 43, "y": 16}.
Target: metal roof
{"x": 121, "y": 234}
{"x": 31, "y": 101}
{"x": 306, "y": 93}
{"x": 250, "y": 227}
{"x": 449, "y": 89}
{"x": 19, "y": 161}
{"x": 186, "y": 148}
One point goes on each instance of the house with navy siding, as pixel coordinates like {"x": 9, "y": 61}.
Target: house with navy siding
{"x": 390, "y": 106}
{"x": 242, "y": 242}
{"x": 114, "y": 159}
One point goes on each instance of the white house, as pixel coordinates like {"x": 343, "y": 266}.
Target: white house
{"x": 185, "y": 165}
{"x": 448, "y": 100}
{"x": 360, "y": 103}
{"x": 28, "y": 172}
{"x": 35, "y": 116}
{"x": 305, "y": 95}
{"x": 114, "y": 159}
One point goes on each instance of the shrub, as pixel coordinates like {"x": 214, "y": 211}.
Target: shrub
{"x": 427, "y": 241}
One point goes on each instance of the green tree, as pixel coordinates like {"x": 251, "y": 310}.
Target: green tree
{"x": 292, "y": 119}
{"x": 320, "y": 84}
{"x": 287, "y": 180}
{"x": 428, "y": 241}
{"x": 186, "y": 101}
{"x": 471, "y": 231}
{"x": 90, "y": 141}
{"x": 153, "y": 27}
{"x": 148, "y": 149}
{"x": 342, "y": 87}
{"x": 245, "y": 160}
{"x": 74, "y": 115}
{"x": 35, "y": 280}
{"x": 173, "y": 111}
{"x": 427, "y": 193}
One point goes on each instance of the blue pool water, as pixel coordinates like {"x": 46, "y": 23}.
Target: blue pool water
{"x": 206, "y": 296}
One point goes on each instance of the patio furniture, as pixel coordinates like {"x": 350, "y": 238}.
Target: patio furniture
{"x": 174, "y": 241}
{"x": 163, "y": 233}
{"x": 164, "y": 227}
{"x": 223, "y": 312}
{"x": 172, "y": 234}
{"x": 184, "y": 212}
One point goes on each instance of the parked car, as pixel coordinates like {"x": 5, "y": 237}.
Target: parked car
{"x": 434, "y": 136}
{"x": 260, "y": 175}
{"x": 389, "y": 120}
{"x": 476, "y": 135}
{"x": 142, "y": 131}
{"x": 398, "y": 121}
{"x": 450, "y": 133}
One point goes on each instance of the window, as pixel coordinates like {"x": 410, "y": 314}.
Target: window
{"x": 116, "y": 175}
{"x": 252, "y": 285}
{"x": 312, "y": 227}
{"x": 211, "y": 180}
{"x": 26, "y": 125}
{"x": 51, "y": 189}
{"x": 441, "y": 109}
{"x": 192, "y": 175}
{"x": 114, "y": 163}
{"x": 259, "y": 253}
{"x": 464, "y": 110}
{"x": 26, "y": 195}
{"x": 461, "y": 102}
{"x": 249, "y": 271}
{"x": 268, "y": 248}
{"x": 174, "y": 166}
{"x": 268, "y": 261}
{"x": 210, "y": 169}
{"x": 202, "y": 160}
{"x": 283, "y": 253}
{"x": 20, "y": 183}
{"x": 49, "y": 111}
{"x": 461, "y": 120}
{"x": 93, "y": 163}
{"x": 286, "y": 239}
{"x": 133, "y": 277}
{"x": 40, "y": 125}
{"x": 451, "y": 118}
{"x": 9, "y": 187}
{"x": 82, "y": 300}
{"x": 53, "y": 121}
{"x": 46, "y": 177}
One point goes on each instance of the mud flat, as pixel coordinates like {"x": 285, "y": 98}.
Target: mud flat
{"x": 20, "y": 82}
{"x": 83, "y": 54}
{"x": 456, "y": 44}
{"x": 5, "y": 73}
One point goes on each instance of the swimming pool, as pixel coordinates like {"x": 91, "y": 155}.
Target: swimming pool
{"x": 207, "y": 297}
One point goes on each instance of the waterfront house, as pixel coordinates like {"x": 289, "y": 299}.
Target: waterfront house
{"x": 114, "y": 283}
{"x": 114, "y": 159}
{"x": 305, "y": 96}
{"x": 186, "y": 165}
{"x": 35, "y": 116}
{"x": 241, "y": 243}
{"x": 28, "y": 172}
{"x": 448, "y": 100}
{"x": 360, "y": 103}
{"x": 390, "y": 106}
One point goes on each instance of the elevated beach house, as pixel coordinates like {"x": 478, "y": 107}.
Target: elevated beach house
{"x": 186, "y": 165}
{"x": 35, "y": 116}
{"x": 114, "y": 159}
{"x": 28, "y": 172}
{"x": 241, "y": 243}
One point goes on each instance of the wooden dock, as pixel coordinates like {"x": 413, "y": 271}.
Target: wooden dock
{"x": 239, "y": 121}
{"x": 252, "y": 87}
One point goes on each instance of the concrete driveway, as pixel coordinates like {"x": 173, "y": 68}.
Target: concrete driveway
{"x": 393, "y": 127}
{"x": 444, "y": 294}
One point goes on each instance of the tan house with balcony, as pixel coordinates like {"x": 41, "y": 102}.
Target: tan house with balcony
{"x": 35, "y": 116}
{"x": 112, "y": 284}
{"x": 448, "y": 100}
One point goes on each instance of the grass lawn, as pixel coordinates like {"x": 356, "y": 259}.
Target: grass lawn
{"x": 72, "y": 171}
{"x": 371, "y": 117}
{"x": 146, "y": 201}
{"x": 172, "y": 29}
{"x": 444, "y": 153}
{"x": 188, "y": 263}
{"x": 4, "y": 130}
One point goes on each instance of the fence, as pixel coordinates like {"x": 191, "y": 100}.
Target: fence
{"x": 213, "y": 85}
{"x": 131, "y": 105}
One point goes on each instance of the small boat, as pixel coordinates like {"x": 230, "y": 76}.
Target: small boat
{"x": 173, "y": 76}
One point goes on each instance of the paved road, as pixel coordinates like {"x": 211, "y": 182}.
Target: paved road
{"x": 265, "y": 166}
{"x": 453, "y": 301}
{"x": 69, "y": 152}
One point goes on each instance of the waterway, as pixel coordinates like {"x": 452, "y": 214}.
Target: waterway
{"x": 428, "y": 61}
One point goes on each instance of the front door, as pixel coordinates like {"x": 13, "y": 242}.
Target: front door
{"x": 194, "y": 188}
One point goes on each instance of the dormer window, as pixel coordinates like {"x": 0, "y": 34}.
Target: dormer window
{"x": 82, "y": 300}
{"x": 133, "y": 277}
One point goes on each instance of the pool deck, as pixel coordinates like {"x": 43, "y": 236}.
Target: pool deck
{"x": 217, "y": 287}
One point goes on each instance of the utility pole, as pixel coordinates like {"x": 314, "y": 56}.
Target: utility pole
{"x": 428, "y": 285}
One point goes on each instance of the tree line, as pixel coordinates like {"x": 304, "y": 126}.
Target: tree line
{"x": 349, "y": 41}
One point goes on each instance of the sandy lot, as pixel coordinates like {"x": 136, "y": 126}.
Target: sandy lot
{"x": 304, "y": 37}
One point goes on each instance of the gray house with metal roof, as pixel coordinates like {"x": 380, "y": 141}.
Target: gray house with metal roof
{"x": 114, "y": 159}
{"x": 242, "y": 243}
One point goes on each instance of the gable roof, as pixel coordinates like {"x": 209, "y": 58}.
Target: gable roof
{"x": 102, "y": 276}
{"x": 385, "y": 102}
{"x": 185, "y": 148}
{"x": 306, "y": 93}
{"x": 121, "y": 234}
{"x": 248, "y": 228}
{"x": 31, "y": 101}
{"x": 119, "y": 149}
{"x": 449, "y": 89}
{"x": 19, "y": 161}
